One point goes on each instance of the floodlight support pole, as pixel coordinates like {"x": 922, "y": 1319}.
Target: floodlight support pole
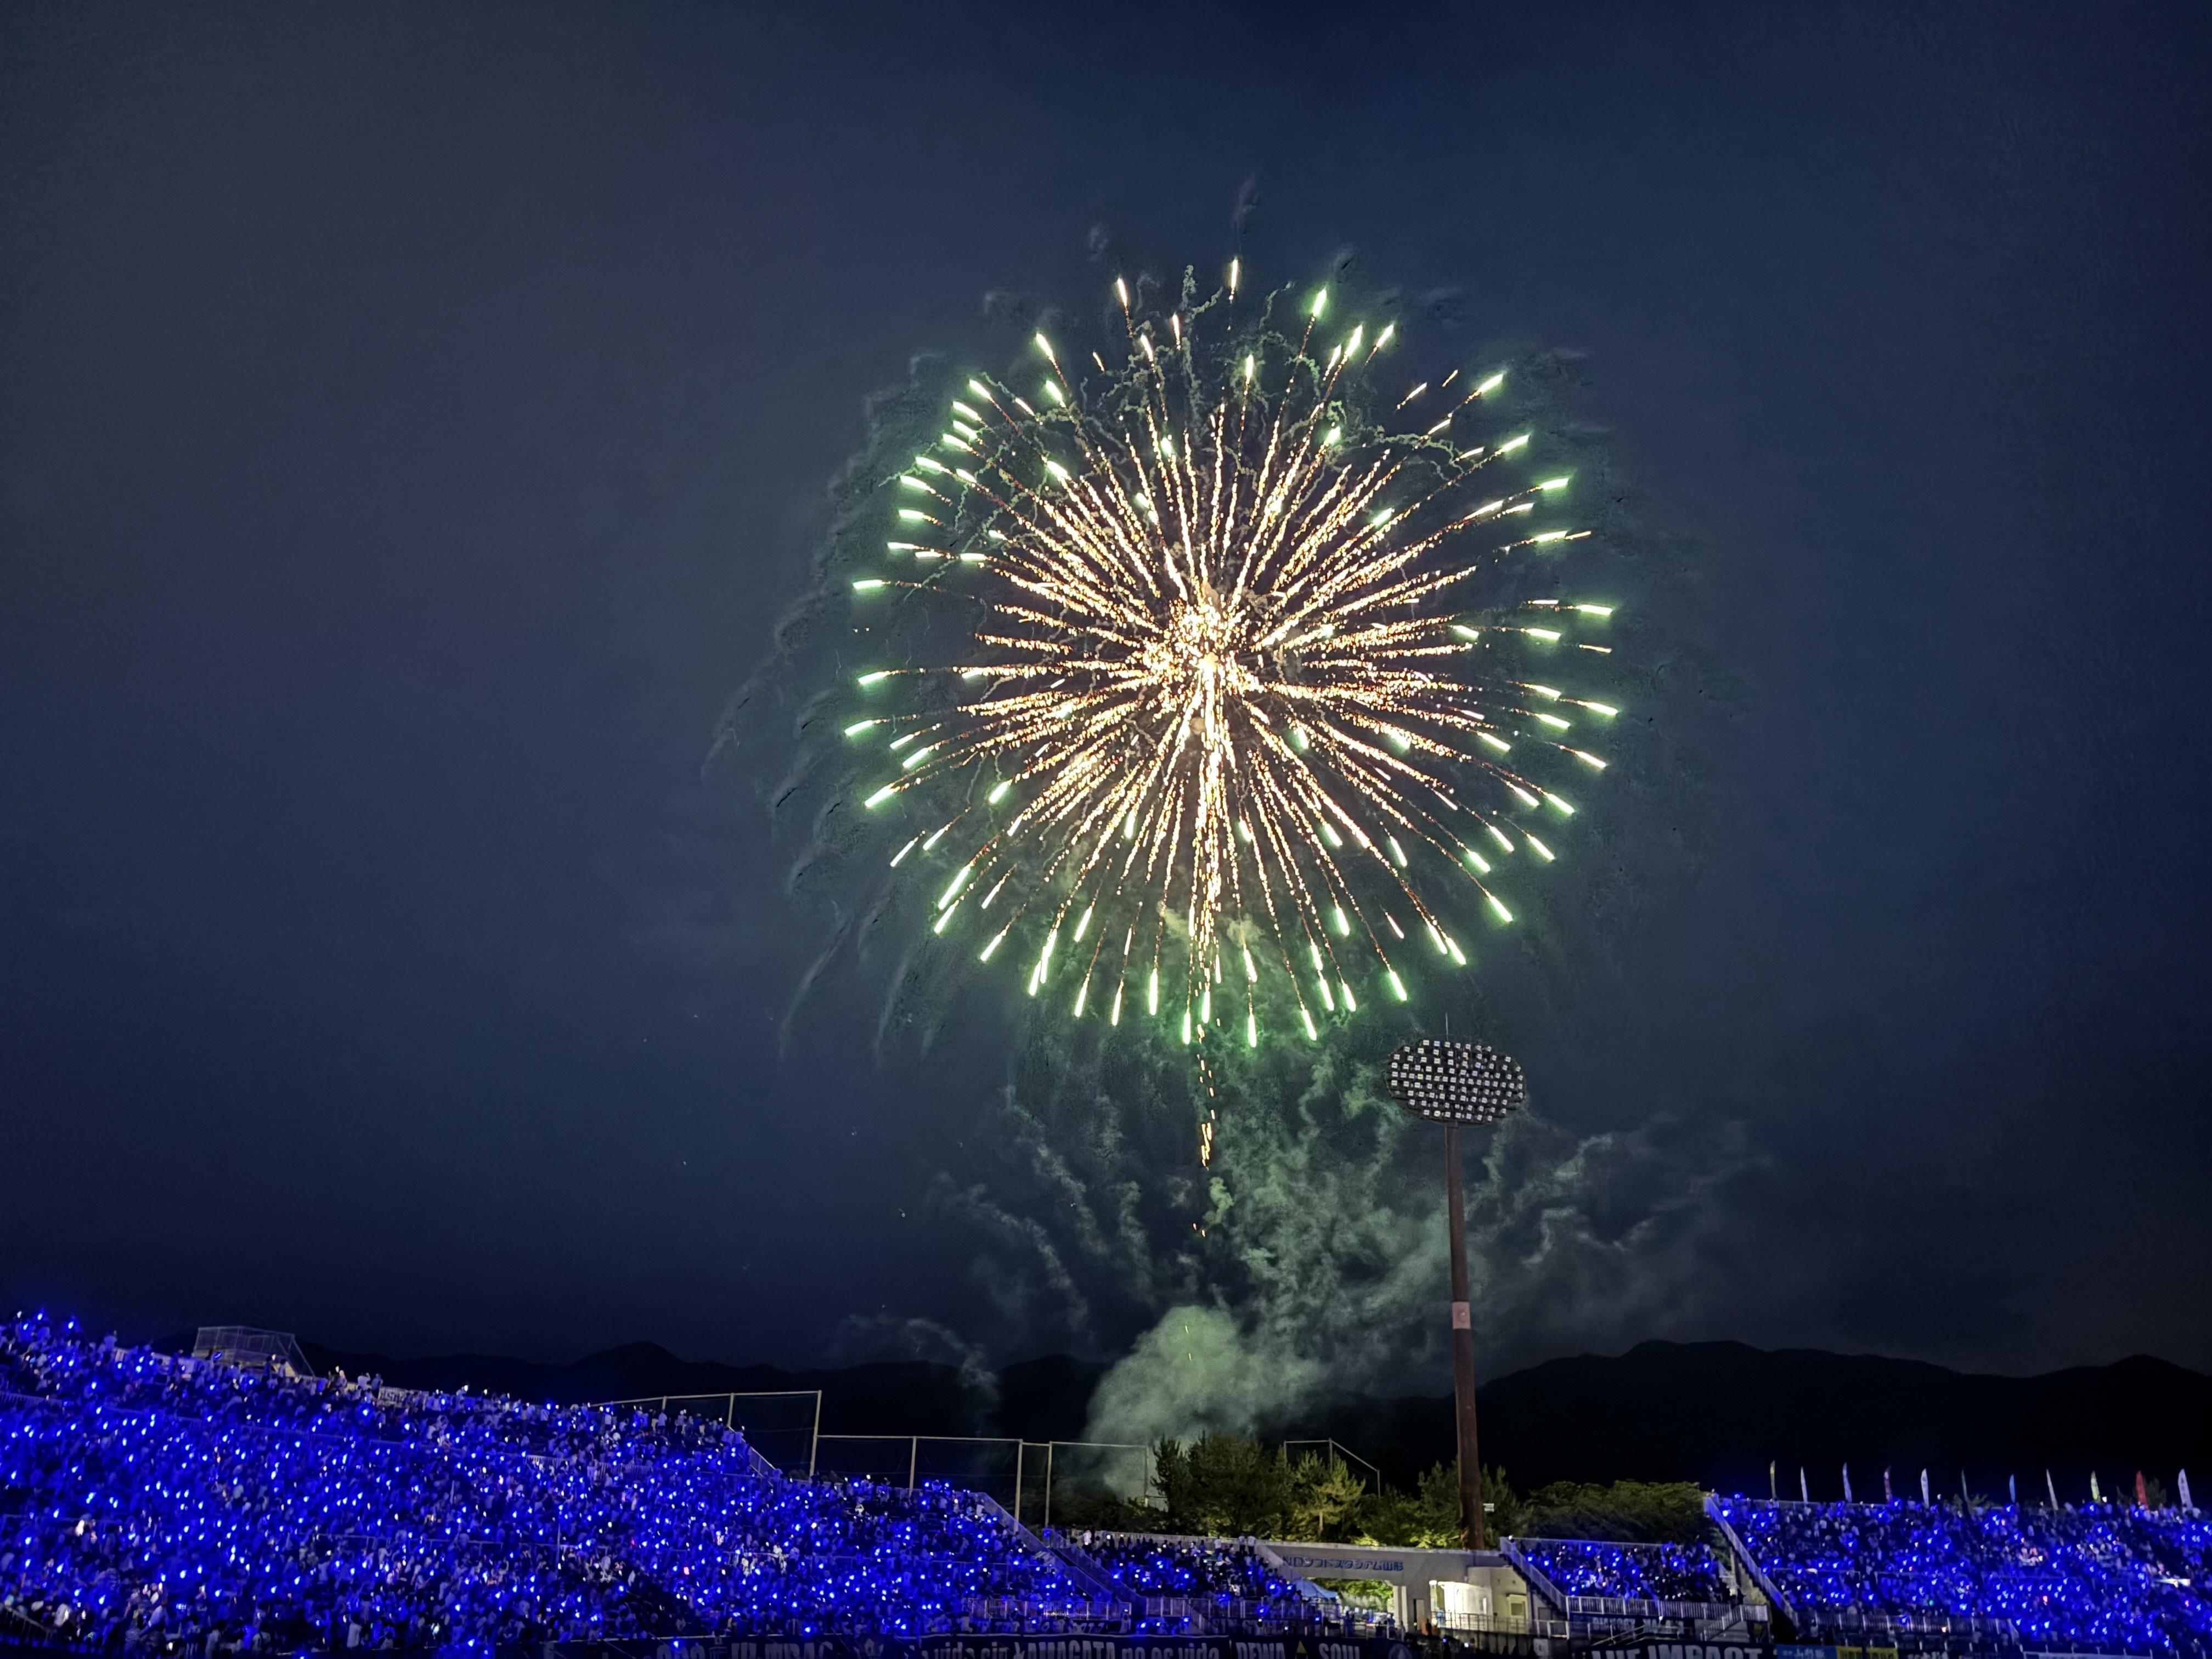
{"x": 1463, "y": 1334}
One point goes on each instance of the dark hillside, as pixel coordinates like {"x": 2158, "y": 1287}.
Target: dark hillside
{"x": 1718, "y": 1412}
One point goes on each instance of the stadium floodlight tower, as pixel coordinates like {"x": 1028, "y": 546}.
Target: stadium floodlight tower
{"x": 1451, "y": 1084}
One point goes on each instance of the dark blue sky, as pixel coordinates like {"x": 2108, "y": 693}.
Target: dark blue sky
{"x": 412, "y": 419}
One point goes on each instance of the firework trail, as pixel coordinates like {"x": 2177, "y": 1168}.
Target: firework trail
{"x": 1211, "y": 719}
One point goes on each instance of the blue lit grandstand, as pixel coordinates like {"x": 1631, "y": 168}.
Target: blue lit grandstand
{"x": 2102, "y": 1578}
{"x": 150, "y": 1498}
{"x": 1629, "y": 1572}
{"x": 189, "y": 1506}
{"x": 1190, "y": 1584}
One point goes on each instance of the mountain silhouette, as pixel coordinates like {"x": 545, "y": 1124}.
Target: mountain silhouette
{"x": 1717, "y": 1413}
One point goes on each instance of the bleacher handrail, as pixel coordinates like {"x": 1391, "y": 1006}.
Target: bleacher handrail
{"x": 1537, "y": 1580}
{"x": 1749, "y": 1562}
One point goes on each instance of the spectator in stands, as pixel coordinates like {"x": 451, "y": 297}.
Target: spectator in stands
{"x": 1196, "y": 1585}
{"x": 148, "y": 1499}
{"x": 1635, "y": 1572}
{"x": 2104, "y": 1578}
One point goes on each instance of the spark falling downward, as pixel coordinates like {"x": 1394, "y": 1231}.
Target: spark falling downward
{"x": 1226, "y": 717}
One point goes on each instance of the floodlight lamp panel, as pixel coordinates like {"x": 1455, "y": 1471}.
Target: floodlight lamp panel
{"x": 1451, "y": 1082}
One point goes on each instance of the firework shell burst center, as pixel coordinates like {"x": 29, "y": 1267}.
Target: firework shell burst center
{"x": 1230, "y": 733}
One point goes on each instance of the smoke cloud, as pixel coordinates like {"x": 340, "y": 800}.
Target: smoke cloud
{"x": 1200, "y": 1369}
{"x": 1572, "y": 1241}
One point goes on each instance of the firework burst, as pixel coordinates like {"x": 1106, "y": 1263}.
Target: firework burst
{"x": 1224, "y": 732}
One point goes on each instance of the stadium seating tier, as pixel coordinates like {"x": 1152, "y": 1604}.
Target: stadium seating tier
{"x": 2102, "y": 1578}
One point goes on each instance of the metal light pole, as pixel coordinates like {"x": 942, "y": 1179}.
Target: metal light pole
{"x": 1451, "y": 1084}
{"x": 1462, "y": 1344}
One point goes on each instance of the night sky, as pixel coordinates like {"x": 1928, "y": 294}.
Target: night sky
{"x": 414, "y": 419}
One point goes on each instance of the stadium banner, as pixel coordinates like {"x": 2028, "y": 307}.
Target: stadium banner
{"x": 1042, "y": 1647}
{"x": 982, "y": 1646}
{"x": 1159, "y": 1647}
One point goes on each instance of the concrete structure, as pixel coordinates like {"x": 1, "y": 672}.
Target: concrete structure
{"x": 1425, "y": 1584}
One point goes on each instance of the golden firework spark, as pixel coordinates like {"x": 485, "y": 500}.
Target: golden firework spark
{"x": 1227, "y": 733}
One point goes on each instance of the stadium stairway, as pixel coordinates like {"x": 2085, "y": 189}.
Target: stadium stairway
{"x": 1081, "y": 1567}
{"x": 1049, "y": 1546}
{"x": 1746, "y": 1565}
{"x": 1545, "y": 1589}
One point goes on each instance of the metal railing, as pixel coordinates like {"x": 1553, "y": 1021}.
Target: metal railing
{"x": 1952, "y": 1626}
{"x": 1746, "y": 1563}
{"x": 1497, "y": 1624}
{"x": 1680, "y": 1613}
{"x": 689, "y": 1404}
{"x": 1535, "y": 1576}
{"x": 823, "y": 1457}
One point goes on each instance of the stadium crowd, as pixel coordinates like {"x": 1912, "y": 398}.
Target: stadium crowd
{"x": 1633, "y": 1573}
{"x": 146, "y": 1500}
{"x": 2104, "y": 1578}
{"x": 1193, "y": 1583}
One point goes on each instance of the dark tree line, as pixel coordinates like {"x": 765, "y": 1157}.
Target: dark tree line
{"x": 1226, "y": 1485}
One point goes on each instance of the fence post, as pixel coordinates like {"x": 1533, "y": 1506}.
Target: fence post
{"x": 913, "y": 1459}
